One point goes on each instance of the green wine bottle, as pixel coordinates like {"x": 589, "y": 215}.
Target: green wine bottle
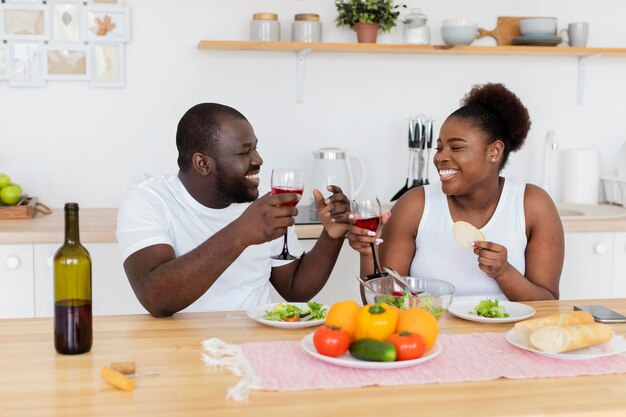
{"x": 72, "y": 291}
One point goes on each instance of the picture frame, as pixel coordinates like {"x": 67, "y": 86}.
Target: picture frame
{"x": 5, "y": 62}
{"x": 27, "y": 69}
{"x": 106, "y": 24}
{"x": 65, "y": 21}
{"x": 107, "y": 2}
{"x": 24, "y": 21}
{"x": 108, "y": 65}
{"x": 67, "y": 61}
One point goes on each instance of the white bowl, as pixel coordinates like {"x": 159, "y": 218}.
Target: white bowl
{"x": 459, "y": 35}
{"x": 545, "y": 26}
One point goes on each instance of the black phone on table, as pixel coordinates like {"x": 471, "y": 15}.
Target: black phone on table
{"x": 602, "y": 314}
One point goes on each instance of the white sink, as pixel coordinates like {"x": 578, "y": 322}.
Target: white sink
{"x": 570, "y": 211}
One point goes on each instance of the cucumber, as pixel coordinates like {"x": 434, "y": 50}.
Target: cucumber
{"x": 373, "y": 350}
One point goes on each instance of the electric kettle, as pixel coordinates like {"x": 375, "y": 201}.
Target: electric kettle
{"x": 334, "y": 166}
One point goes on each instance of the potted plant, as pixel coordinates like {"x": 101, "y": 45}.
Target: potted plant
{"x": 366, "y": 17}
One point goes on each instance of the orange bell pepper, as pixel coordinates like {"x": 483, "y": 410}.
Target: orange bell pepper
{"x": 376, "y": 322}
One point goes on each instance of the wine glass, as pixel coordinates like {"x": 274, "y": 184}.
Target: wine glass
{"x": 287, "y": 180}
{"x": 368, "y": 215}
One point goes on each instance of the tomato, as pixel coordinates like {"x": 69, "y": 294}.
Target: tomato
{"x": 408, "y": 345}
{"x": 292, "y": 319}
{"x": 331, "y": 341}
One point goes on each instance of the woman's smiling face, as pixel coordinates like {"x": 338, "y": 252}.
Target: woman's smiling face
{"x": 462, "y": 157}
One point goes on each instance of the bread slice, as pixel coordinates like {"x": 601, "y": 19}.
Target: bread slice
{"x": 523, "y": 329}
{"x": 464, "y": 233}
{"x": 557, "y": 339}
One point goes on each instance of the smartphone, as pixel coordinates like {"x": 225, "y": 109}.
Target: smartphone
{"x": 603, "y": 314}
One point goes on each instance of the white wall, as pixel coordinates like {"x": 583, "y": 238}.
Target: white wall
{"x": 68, "y": 141}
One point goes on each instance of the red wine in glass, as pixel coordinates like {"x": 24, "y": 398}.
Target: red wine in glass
{"x": 370, "y": 223}
{"x": 285, "y": 190}
{"x": 368, "y": 212}
{"x": 287, "y": 180}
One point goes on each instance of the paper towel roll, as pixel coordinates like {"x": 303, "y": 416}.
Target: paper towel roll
{"x": 581, "y": 176}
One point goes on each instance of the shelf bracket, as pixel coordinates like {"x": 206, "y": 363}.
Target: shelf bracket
{"x": 582, "y": 67}
{"x": 301, "y": 61}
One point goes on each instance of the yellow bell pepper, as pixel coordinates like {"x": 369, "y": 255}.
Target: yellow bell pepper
{"x": 376, "y": 322}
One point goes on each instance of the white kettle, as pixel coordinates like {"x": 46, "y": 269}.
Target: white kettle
{"x": 334, "y": 166}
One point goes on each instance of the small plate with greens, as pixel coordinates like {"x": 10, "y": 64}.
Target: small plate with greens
{"x": 290, "y": 315}
{"x": 490, "y": 310}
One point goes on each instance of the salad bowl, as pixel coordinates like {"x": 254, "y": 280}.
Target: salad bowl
{"x": 431, "y": 294}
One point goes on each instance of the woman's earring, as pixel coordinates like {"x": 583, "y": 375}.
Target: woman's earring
{"x": 493, "y": 159}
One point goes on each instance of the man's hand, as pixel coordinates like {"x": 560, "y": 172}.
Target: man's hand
{"x": 333, "y": 212}
{"x": 267, "y": 219}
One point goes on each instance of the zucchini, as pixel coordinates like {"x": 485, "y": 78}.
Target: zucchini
{"x": 373, "y": 350}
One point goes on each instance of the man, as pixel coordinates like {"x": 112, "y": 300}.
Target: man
{"x": 202, "y": 240}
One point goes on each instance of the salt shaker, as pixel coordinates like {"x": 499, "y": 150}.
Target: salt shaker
{"x": 306, "y": 28}
{"x": 415, "y": 29}
{"x": 265, "y": 27}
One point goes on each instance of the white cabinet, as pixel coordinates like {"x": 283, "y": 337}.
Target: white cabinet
{"x": 588, "y": 267}
{"x": 16, "y": 281}
{"x": 342, "y": 284}
{"x": 619, "y": 265}
{"x": 111, "y": 291}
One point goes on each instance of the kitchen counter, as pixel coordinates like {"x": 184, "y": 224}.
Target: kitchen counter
{"x": 35, "y": 381}
{"x": 98, "y": 225}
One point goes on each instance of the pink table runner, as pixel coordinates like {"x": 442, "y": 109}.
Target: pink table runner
{"x": 284, "y": 366}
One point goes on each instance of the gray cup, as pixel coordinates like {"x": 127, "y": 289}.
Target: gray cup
{"x": 577, "y": 34}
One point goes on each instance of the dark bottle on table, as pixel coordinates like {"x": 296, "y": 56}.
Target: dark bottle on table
{"x": 72, "y": 290}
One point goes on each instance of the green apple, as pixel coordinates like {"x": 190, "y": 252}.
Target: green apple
{"x": 4, "y": 180}
{"x": 18, "y": 186}
{"x": 10, "y": 194}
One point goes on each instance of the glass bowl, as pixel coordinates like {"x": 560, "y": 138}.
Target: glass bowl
{"x": 431, "y": 294}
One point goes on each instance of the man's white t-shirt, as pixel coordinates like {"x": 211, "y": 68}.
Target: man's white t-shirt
{"x": 161, "y": 211}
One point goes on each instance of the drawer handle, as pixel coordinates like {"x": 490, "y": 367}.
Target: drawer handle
{"x": 13, "y": 262}
{"x": 600, "y": 248}
{"x": 49, "y": 262}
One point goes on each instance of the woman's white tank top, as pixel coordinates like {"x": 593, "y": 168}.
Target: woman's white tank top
{"x": 439, "y": 255}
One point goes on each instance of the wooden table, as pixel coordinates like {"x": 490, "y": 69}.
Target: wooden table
{"x": 35, "y": 381}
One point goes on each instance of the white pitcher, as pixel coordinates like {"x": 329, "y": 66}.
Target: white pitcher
{"x": 334, "y": 166}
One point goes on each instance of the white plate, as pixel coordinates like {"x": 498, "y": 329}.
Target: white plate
{"x": 517, "y": 311}
{"x": 613, "y": 347}
{"x": 257, "y": 313}
{"x": 348, "y": 361}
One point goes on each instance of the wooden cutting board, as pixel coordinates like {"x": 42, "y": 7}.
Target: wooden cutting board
{"x": 506, "y": 29}
{"x": 24, "y": 210}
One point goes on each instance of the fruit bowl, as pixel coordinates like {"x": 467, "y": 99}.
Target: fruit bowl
{"x": 434, "y": 295}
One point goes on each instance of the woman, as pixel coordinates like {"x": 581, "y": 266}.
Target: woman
{"x": 522, "y": 255}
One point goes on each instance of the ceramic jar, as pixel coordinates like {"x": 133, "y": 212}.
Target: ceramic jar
{"x": 265, "y": 27}
{"x": 306, "y": 28}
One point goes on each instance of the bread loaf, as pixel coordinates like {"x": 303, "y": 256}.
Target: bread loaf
{"x": 523, "y": 329}
{"x": 557, "y": 339}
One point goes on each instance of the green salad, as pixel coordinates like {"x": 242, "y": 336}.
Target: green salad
{"x": 490, "y": 309}
{"x": 290, "y": 312}
{"x": 406, "y": 300}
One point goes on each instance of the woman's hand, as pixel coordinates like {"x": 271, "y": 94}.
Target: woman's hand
{"x": 492, "y": 258}
{"x": 360, "y": 238}
{"x": 334, "y": 211}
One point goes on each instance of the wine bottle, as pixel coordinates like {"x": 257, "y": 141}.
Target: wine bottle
{"x": 72, "y": 291}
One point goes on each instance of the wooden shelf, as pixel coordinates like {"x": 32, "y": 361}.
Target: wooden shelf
{"x": 406, "y": 49}
{"x": 302, "y": 49}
